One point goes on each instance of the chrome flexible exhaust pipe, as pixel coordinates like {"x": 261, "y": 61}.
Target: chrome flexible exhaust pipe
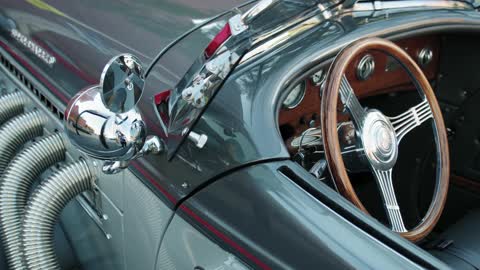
{"x": 12, "y": 104}
{"x": 17, "y": 132}
{"x": 15, "y": 186}
{"x": 43, "y": 210}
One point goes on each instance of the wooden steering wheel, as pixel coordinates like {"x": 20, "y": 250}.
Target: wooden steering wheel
{"x": 380, "y": 135}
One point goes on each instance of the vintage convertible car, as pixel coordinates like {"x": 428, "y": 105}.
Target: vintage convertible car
{"x": 222, "y": 134}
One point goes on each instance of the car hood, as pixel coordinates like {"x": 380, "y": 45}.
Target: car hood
{"x": 143, "y": 26}
{"x": 79, "y": 37}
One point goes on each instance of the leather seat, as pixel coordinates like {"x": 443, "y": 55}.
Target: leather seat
{"x": 463, "y": 250}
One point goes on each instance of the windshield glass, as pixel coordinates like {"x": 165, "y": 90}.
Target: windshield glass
{"x": 182, "y": 114}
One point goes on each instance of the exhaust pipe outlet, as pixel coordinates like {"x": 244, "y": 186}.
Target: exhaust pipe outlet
{"x": 17, "y": 132}
{"x": 12, "y": 104}
{"x": 15, "y": 186}
{"x": 43, "y": 211}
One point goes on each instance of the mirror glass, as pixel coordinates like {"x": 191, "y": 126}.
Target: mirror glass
{"x": 122, "y": 83}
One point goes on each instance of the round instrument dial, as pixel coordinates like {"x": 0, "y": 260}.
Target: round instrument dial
{"x": 295, "y": 96}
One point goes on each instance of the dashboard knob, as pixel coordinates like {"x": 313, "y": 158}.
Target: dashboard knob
{"x": 425, "y": 56}
{"x": 365, "y": 67}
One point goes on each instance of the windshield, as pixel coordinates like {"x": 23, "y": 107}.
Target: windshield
{"x": 182, "y": 113}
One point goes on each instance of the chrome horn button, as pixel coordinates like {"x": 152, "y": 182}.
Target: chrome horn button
{"x": 379, "y": 140}
{"x": 383, "y": 138}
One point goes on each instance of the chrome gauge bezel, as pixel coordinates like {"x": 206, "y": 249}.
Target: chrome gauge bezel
{"x": 298, "y": 99}
{"x": 366, "y": 67}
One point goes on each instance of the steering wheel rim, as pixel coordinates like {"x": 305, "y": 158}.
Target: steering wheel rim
{"x": 380, "y": 152}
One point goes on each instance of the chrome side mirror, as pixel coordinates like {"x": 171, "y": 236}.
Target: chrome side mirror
{"x": 122, "y": 83}
{"x": 103, "y": 121}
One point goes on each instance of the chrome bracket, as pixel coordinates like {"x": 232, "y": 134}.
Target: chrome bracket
{"x": 153, "y": 145}
{"x": 216, "y": 69}
{"x": 204, "y": 84}
{"x": 95, "y": 214}
{"x": 208, "y": 72}
{"x": 236, "y": 25}
{"x": 97, "y": 199}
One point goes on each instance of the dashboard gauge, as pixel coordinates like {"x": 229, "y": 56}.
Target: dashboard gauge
{"x": 295, "y": 96}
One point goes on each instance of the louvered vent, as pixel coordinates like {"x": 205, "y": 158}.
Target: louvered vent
{"x": 17, "y": 73}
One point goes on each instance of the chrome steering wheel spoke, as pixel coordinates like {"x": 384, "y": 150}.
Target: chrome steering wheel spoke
{"x": 385, "y": 183}
{"x": 412, "y": 118}
{"x": 379, "y": 136}
{"x": 350, "y": 101}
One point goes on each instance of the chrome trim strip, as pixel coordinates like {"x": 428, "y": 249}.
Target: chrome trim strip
{"x": 382, "y": 5}
{"x": 411, "y": 119}
{"x": 325, "y": 11}
{"x": 384, "y": 179}
{"x": 301, "y": 25}
{"x": 281, "y": 38}
{"x": 259, "y": 8}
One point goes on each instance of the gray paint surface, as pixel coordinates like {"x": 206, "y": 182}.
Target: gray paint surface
{"x": 92, "y": 248}
{"x": 134, "y": 218}
{"x": 84, "y": 35}
{"x": 135, "y": 229}
{"x": 245, "y": 106}
{"x": 256, "y": 198}
{"x": 241, "y": 120}
{"x": 184, "y": 247}
{"x": 284, "y": 227}
{"x": 146, "y": 219}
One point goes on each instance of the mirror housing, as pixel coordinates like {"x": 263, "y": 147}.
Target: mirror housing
{"x": 103, "y": 122}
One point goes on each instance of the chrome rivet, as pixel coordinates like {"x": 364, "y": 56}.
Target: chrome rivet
{"x": 185, "y": 185}
{"x": 187, "y": 93}
{"x": 212, "y": 66}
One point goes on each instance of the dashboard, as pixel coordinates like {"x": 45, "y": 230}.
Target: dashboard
{"x": 371, "y": 73}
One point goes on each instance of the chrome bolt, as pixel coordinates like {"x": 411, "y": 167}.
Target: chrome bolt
{"x": 187, "y": 93}
{"x": 198, "y": 139}
{"x": 212, "y": 66}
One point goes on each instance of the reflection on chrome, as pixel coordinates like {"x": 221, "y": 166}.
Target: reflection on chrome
{"x": 104, "y": 122}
